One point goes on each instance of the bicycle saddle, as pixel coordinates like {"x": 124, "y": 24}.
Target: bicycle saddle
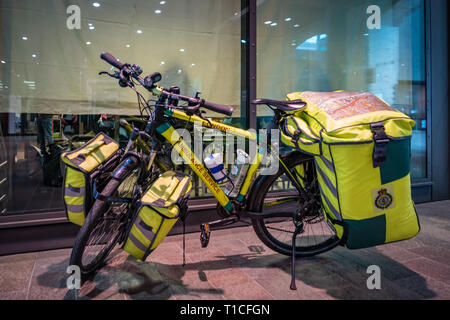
{"x": 287, "y": 106}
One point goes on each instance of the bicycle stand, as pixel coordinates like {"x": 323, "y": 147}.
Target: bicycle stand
{"x": 298, "y": 230}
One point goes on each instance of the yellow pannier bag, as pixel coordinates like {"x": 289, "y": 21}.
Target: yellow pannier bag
{"x": 84, "y": 167}
{"x": 362, "y": 148}
{"x": 158, "y": 210}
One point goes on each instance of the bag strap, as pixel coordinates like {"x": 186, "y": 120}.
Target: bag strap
{"x": 297, "y": 134}
{"x": 80, "y": 155}
{"x": 160, "y": 203}
{"x": 381, "y": 141}
{"x": 333, "y": 220}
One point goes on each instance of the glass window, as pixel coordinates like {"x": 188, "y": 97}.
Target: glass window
{"x": 50, "y": 89}
{"x": 376, "y": 46}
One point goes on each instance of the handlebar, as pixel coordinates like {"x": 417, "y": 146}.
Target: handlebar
{"x": 111, "y": 60}
{"x": 150, "y": 84}
{"x": 220, "y": 108}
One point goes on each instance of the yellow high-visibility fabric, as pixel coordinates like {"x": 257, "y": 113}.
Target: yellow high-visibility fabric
{"x": 346, "y": 116}
{"x": 157, "y": 213}
{"x": 373, "y": 201}
{"x": 93, "y": 153}
{"x": 74, "y": 179}
{"x": 79, "y": 164}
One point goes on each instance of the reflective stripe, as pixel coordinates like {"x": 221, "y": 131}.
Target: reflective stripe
{"x": 146, "y": 230}
{"x": 159, "y": 203}
{"x": 330, "y": 206}
{"x": 136, "y": 242}
{"x": 327, "y": 163}
{"x": 75, "y": 208}
{"x": 70, "y": 191}
{"x": 327, "y": 181}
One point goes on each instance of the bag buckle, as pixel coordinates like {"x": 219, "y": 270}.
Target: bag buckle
{"x": 296, "y": 136}
{"x": 381, "y": 141}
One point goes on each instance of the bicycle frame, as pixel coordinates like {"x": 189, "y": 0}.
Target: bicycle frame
{"x": 171, "y": 135}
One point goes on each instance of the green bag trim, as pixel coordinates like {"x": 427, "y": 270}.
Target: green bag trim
{"x": 366, "y": 233}
{"x": 398, "y": 164}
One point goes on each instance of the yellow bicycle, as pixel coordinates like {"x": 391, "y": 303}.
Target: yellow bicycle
{"x": 284, "y": 208}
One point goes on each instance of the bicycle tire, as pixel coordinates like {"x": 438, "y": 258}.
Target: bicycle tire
{"x": 261, "y": 226}
{"x": 92, "y": 220}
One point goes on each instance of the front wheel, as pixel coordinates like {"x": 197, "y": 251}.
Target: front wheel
{"x": 280, "y": 193}
{"x": 104, "y": 226}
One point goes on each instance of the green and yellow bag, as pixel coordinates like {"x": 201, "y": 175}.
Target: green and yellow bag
{"x": 158, "y": 211}
{"x": 361, "y": 148}
{"x": 83, "y": 168}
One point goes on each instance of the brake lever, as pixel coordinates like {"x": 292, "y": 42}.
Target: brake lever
{"x": 193, "y": 110}
{"x": 190, "y": 110}
{"x": 115, "y": 75}
{"x": 206, "y": 119}
{"x": 199, "y": 113}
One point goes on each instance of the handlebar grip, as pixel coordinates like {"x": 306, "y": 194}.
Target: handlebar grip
{"x": 111, "y": 60}
{"x": 219, "y": 108}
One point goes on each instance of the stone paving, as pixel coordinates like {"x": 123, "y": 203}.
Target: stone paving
{"x": 236, "y": 265}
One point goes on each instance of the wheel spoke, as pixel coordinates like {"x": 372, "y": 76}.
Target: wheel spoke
{"x": 277, "y": 232}
{"x": 282, "y": 230}
{"x": 108, "y": 227}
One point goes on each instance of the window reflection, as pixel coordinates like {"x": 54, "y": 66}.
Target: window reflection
{"x": 328, "y": 46}
{"x": 53, "y": 98}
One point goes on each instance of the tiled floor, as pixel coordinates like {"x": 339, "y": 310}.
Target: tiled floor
{"x": 236, "y": 265}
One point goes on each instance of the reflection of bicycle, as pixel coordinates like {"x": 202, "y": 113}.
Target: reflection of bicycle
{"x": 284, "y": 208}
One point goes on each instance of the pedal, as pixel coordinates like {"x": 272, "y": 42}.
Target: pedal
{"x": 205, "y": 234}
{"x": 207, "y": 227}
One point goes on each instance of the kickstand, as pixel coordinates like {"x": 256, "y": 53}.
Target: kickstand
{"x": 183, "y": 219}
{"x": 298, "y": 230}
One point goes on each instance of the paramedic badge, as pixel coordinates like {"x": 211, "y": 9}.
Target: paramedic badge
{"x": 383, "y": 198}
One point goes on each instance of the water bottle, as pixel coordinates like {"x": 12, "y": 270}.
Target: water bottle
{"x": 215, "y": 165}
{"x": 238, "y": 173}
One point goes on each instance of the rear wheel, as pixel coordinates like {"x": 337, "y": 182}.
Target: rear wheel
{"x": 278, "y": 193}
